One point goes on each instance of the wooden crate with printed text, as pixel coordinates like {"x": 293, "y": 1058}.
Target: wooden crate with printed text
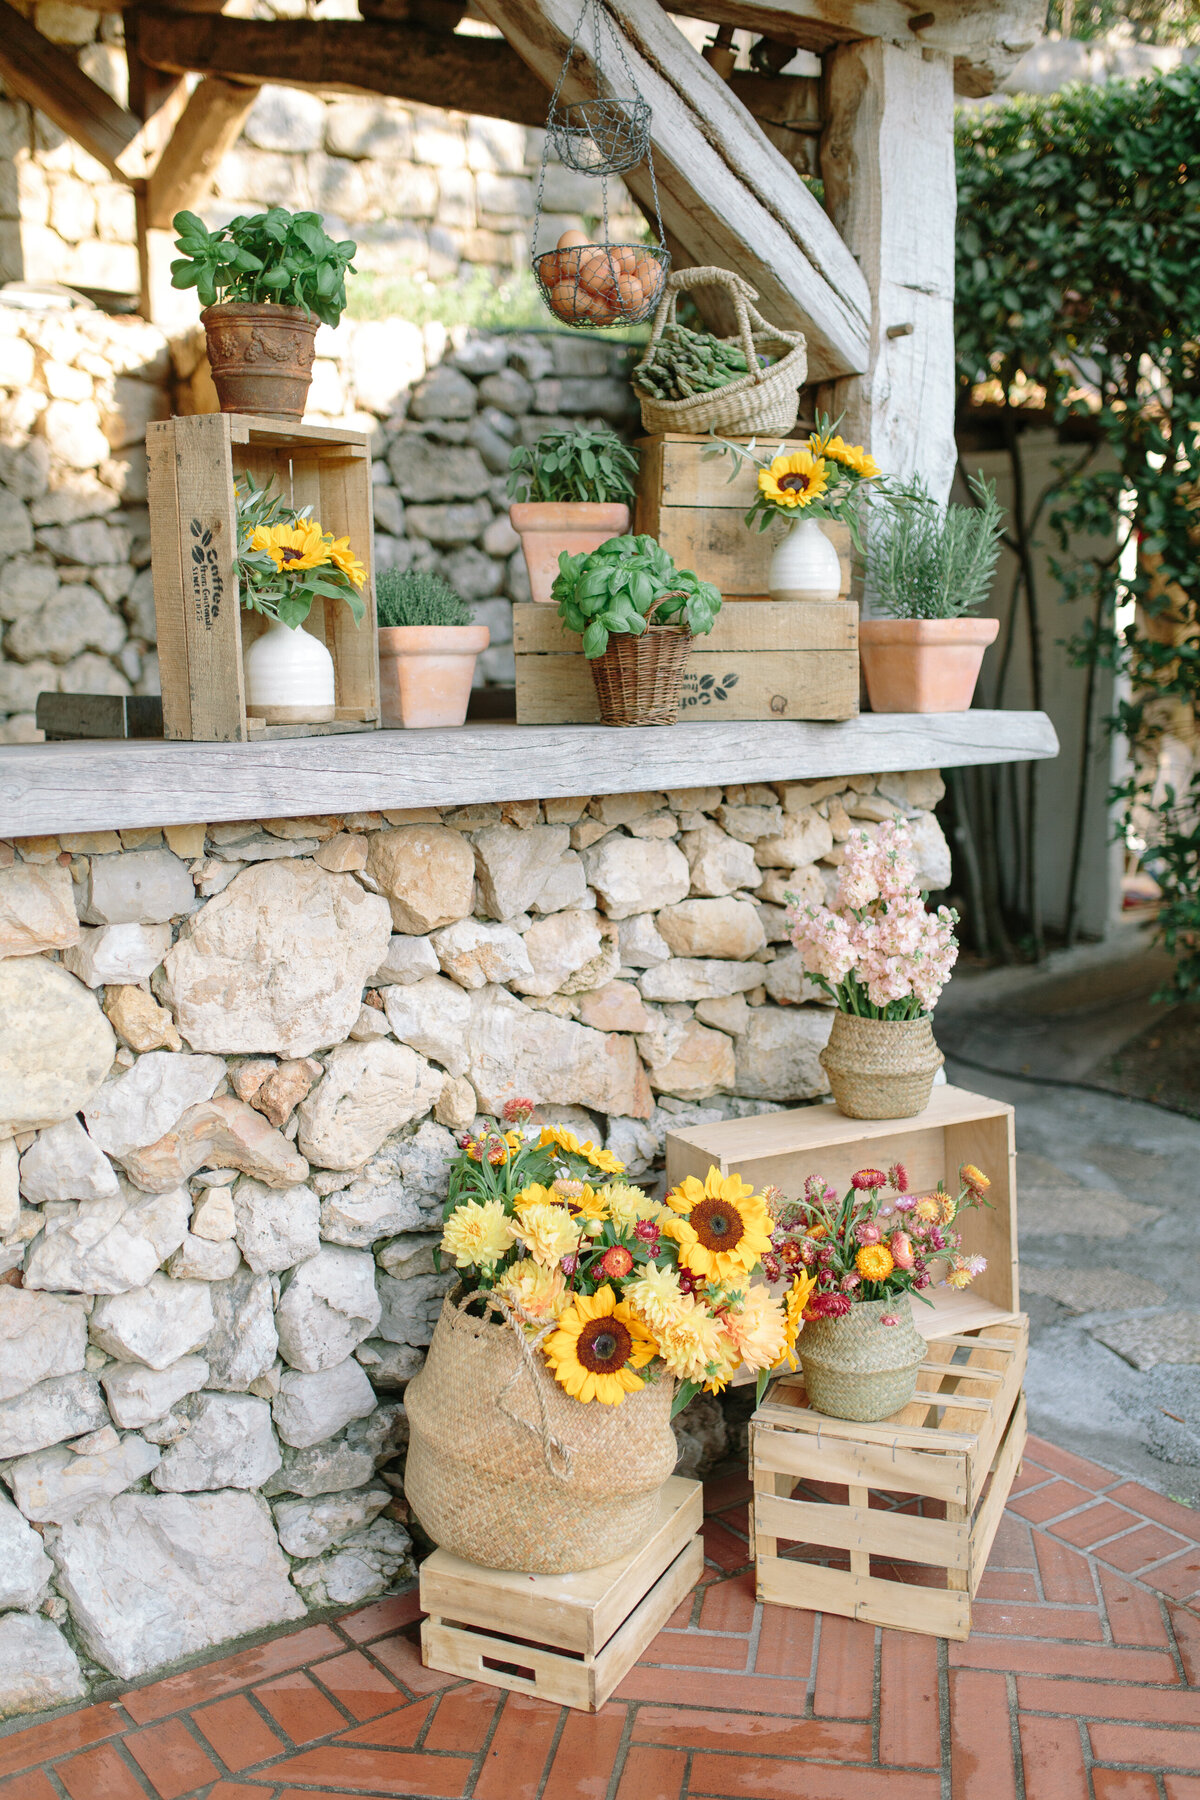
{"x": 686, "y": 500}
{"x": 782, "y": 659}
{"x": 202, "y": 630}
{"x": 892, "y": 1522}
{"x": 568, "y": 1639}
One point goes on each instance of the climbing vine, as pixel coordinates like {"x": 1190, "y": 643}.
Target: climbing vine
{"x": 1079, "y": 297}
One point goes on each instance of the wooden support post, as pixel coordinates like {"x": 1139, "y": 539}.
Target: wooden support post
{"x": 887, "y": 157}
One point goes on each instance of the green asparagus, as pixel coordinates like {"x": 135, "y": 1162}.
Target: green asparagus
{"x": 684, "y": 363}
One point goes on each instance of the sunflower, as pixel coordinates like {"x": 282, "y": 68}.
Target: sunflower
{"x": 343, "y": 558}
{"x": 726, "y": 1227}
{"x": 569, "y": 1144}
{"x": 794, "y": 480}
{"x": 597, "y": 1347}
{"x": 534, "y": 1194}
{"x": 851, "y": 456}
{"x": 478, "y": 1233}
{"x": 292, "y": 547}
{"x": 795, "y": 1301}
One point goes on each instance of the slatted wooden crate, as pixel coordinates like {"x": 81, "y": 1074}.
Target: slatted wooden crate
{"x": 568, "y": 1639}
{"x": 894, "y": 1521}
{"x": 687, "y": 501}
{"x": 202, "y": 630}
{"x": 779, "y": 660}
{"x": 781, "y": 1149}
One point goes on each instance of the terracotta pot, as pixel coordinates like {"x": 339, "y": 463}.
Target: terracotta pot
{"x": 880, "y": 1068}
{"x": 426, "y": 671}
{"x": 858, "y": 1367}
{"x": 548, "y": 528}
{"x": 261, "y": 357}
{"x": 923, "y": 665}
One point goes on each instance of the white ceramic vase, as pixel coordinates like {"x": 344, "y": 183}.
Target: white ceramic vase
{"x": 289, "y": 677}
{"x": 804, "y": 564}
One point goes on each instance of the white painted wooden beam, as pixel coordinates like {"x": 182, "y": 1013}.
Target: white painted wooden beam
{"x": 727, "y": 194}
{"x": 48, "y": 788}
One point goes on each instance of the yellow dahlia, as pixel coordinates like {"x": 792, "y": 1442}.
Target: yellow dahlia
{"x": 292, "y": 547}
{"x": 725, "y": 1228}
{"x": 691, "y": 1342}
{"x": 628, "y": 1206}
{"x": 727, "y": 1362}
{"x": 794, "y": 480}
{"x": 343, "y": 557}
{"x": 851, "y": 456}
{"x": 567, "y": 1142}
{"x": 597, "y": 1347}
{"x": 478, "y": 1233}
{"x": 548, "y": 1233}
{"x": 758, "y": 1328}
{"x": 655, "y": 1296}
{"x": 874, "y": 1262}
{"x": 795, "y": 1302}
{"x": 542, "y": 1293}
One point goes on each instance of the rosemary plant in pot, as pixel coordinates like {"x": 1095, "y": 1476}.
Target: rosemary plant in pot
{"x": 637, "y": 614}
{"x": 570, "y": 491}
{"x": 266, "y": 282}
{"x": 287, "y": 562}
{"x": 428, "y": 643}
{"x": 883, "y": 959}
{"x": 863, "y": 1259}
{"x": 929, "y": 568}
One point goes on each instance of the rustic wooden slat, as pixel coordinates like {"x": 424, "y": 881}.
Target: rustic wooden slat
{"x": 643, "y": 1626}
{"x": 893, "y": 1604}
{"x": 858, "y": 1527}
{"x": 772, "y": 625}
{"x": 990, "y": 1512}
{"x": 206, "y": 525}
{"x": 763, "y": 685}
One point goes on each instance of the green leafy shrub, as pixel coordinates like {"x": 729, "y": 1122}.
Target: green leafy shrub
{"x": 617, "y": 587}
{"x": 276, "y": 256}
{"x": 418, "y": 597}
{"x": 574, "y": 464}
{"x": 929, "y": 562}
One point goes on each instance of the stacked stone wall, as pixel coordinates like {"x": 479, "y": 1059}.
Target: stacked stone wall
{"x": 233, "y": 1065}
{"x": 78, "y": 387}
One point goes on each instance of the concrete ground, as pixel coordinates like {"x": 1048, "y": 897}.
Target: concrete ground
{"x": 1109, "y": 1208}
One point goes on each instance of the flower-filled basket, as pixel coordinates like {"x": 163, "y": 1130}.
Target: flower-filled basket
{"x": 586, "y": 1315}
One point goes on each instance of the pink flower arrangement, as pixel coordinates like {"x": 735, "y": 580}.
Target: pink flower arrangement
{"x": 878, "y": 951}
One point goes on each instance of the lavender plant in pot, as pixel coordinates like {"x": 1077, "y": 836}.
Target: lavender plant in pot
{"x": 571, "y": 492}
{"x": 428, "y": 643}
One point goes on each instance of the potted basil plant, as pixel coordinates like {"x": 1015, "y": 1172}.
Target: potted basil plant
{"x": 266, "y": 282}
{"x": 637, "y": 614}
{"x": 571, "y": 490}
{"x": 428, "y": 643}
{"x": 929, "y": 569}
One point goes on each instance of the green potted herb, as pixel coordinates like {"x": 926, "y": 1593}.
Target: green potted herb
{"x": 637, "y": 614}
{"x": 266, "y": 282}
{"x": 427, "y": 649}
{"x": 929, "y": 568}
{"x": 571, "y": 491}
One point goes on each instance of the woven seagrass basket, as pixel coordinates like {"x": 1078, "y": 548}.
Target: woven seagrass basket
{"x": 639, "y": 680}
{"x": 859, "y": 1368}
{"x": 881, "y": 1068}
{"x": 764, "y": 400}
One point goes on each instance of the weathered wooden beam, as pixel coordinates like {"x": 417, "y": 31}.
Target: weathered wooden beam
{"x": 208, "y": 127}
{"x": 727, "y": 195}
{"x": 38, "y": 71}
{"x": 887, "y": 157}
{"x": 376, "y": 56}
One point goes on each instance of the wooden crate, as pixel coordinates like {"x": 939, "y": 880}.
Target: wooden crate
{"x": 568, "y": 1639}
{"x": 780, "y": 660}
{"x": 781, "y": 1149}
{"x": 687, "y": 501}
{"x": 202, "y": 629}
{"x": 955, "y": 1452}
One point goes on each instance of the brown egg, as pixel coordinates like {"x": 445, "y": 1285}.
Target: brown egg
{"x": 624, "y": 258}
{"x": 632, "y": 293}
{"x": 571, "y": 240}
{"x": 550, "y": 268}
{"x": 562, "y": 300}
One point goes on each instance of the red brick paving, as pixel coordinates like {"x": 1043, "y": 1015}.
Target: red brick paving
{"x": 1081, "y": 1681}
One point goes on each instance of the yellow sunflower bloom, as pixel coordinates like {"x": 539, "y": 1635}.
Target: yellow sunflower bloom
{"x": 534, "y": 1194}
{"x": 795, "y": 1302}
{"x": 794, "y": 480}
{"x": 343, "y": 558}
{"x": 587, "y": 1203}
{"x": 598, "y": 1347}
{"x": 478, "y": 1233}
{"x": 874, "y": 1262}
{"x": 851, "y": 456}
{"x": 724, "y": 1228}
{"x": 539, "y": 1292}
{"x": 566, "y": 1141}
{"x": 292, "y": 547}
{"x": 548, "y": 1233}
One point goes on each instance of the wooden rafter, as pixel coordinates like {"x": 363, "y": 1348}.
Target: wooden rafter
{"x": 38, "y": 71}
{"x": 208, "y": 127}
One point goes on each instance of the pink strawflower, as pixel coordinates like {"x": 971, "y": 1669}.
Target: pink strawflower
{"x": 837, "y": 1305}
{"x": 900, "y": 1245}
{"x": 647, "y": 1232}
{"x": 568, "y": 1264}
{"x": 889, "y": 1319}
{"x": 849, "y": 1282}
{"x": 898, "y": 1178}
{"x": 867, "y": 1179}
{"x": 868, "y": 1232}
{"x": 517, "y": 1112}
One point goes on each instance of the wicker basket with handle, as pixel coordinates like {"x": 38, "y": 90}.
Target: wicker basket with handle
{"x": 764, "y": 400}
{"x": 639, "y": 680}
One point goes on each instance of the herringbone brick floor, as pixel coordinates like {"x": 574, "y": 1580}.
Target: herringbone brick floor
{"x": 1081, "y": 1681}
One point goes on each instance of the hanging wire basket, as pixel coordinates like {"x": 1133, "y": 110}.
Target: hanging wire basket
{"x": 593, "y": 285}
{"x": 604, "y": 136}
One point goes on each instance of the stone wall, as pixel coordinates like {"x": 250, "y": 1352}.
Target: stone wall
{"x": 233, "y": 1065}
{"x": 77, "y": 388}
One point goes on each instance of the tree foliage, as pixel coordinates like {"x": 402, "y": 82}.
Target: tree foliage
{"x": 1079, "y": 291}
